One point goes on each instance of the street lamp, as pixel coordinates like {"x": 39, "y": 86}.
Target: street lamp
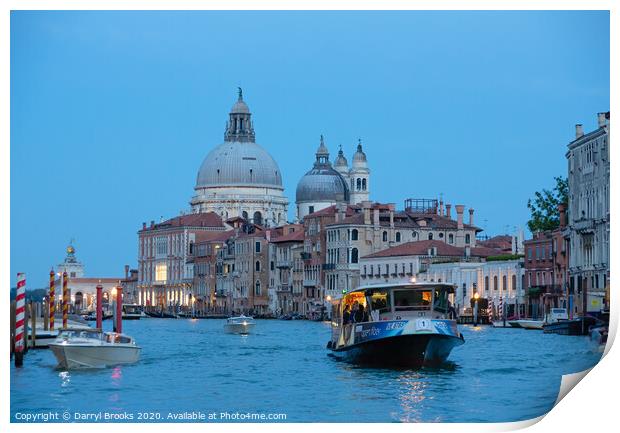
{"x": 476, "y": 297}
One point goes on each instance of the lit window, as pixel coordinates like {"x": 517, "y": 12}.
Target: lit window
{"x": 161, "y": 272}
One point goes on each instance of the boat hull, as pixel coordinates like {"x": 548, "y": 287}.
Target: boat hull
{"x": 402, "y": 351}
{"x": 76, "y": 356}
{"x": 580, "y": 326}
{"x": 530, "y": 324}
{"x": 238, "y": 328}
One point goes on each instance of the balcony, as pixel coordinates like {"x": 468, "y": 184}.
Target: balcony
{"x": 584, "y": 226}
{"x": 328, "y": 266}
{"x": 310, "y": 282}
{"x": 284, "y": 264}
{"x": 285, "y": 288}
{"x": 306, "y": 256}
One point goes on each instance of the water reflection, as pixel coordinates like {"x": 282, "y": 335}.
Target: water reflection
{"x": 65, "y": 378}
{"x": 411, "y": 395}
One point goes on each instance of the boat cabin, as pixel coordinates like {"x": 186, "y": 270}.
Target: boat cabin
{"x": 395, "y": 302}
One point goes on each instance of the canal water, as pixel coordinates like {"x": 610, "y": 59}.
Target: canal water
{"x": 192, "y": 366}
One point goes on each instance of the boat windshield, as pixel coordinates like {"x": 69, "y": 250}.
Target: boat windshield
{"x": 440, "y": 301}
{"x": 380, "y": 301}
{"x": 412, "y": 300}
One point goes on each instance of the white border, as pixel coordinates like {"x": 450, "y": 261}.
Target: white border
{"x": 591, "y": 407}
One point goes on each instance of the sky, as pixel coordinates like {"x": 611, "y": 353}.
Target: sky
{"x": 112, "y": 113}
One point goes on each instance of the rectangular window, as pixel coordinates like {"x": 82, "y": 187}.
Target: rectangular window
{"x": 161, "y": 272}
{"x": 257, "y": 247}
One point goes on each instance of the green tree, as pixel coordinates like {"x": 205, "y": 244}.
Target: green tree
{"x": 544, "y": 206}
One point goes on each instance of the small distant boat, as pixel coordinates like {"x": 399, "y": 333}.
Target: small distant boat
{"x": 530, "y": 324}
{"x": 91, "y": 316}
{"x": 132, "y": 312}
{"x": 239, "y": 325}
{"x": 578, "y": 326}
{"x": 409, "y": 325}
{"x": 92, "y": 348}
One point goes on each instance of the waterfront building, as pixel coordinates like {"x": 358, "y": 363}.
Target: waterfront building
{"x": 493, "y": 279}
{"x": 71, "y": 265}
{"x": 239, "y": 178}
{"x": 325, "y": 186}
{"x": 589, "y": 214}
{"x": 287, "y": 267}
{"x": 546, "y": 269}
{"x": 373, "y": 227}
{"x": 242, "y": 270}
{"x": 129, "y": 285}
{"x": 204, "y": 259}
{"x": 165, "y": 271}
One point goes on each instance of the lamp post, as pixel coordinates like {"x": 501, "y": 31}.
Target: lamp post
{"x": 476, "y": 297}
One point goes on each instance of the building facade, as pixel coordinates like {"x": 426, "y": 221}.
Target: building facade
{"x": 165, "y": 258}
{"x": 589, "y": 215}
{"x": 239, "y": 178}
{"x": 288, "y": 271}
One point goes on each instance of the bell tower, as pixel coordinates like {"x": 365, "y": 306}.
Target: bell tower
{"x": 359, "y": 176}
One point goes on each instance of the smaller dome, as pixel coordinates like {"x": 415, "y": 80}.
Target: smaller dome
{"x": 322, "y": 184}
{"x": 341, "y": 161}
{"x": 240, "y": 106}
{"x": 359, "y": 157}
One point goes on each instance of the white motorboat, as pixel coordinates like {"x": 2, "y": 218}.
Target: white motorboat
{"x": 239, "y": 325}
{"x": 44, "y": 337}
{"x": 530, "y": 324}
{"x": 92, "y": 348}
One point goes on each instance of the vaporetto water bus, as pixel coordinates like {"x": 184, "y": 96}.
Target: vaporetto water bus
{"x": 409, "y": 324}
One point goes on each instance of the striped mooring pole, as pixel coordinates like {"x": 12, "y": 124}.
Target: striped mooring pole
{"x": 52, "y": 299}
{"x": 490, "y": 311}
{"x": 501, "y": 308}
{"x": 20, "y": 310}
{"x": 65, "y": 301}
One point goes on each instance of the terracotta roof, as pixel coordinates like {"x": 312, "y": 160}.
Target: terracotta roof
{"x": 420, "y": 248}
{"x": 207, "y": 237}
{"x": 503, "y": 242}
{"x": 206, "y": 219}
{"x": 331, "y": 210}
{"x": 296, "y": 236}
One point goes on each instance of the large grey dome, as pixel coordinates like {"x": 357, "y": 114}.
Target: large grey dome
{"x": 239, "y": 164}
{"x": 322, "y": 184}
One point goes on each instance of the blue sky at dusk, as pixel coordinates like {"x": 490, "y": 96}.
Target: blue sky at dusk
{"x": 112, "y": 113}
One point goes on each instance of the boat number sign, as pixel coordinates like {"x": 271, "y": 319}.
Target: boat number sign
{"x": 423, "y": 325}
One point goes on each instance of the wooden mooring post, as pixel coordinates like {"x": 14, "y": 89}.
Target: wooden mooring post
{"x": 33, "y": 324}
{"x": 12, "y": 316}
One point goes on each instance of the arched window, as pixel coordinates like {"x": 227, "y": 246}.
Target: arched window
{"x": 414, "y": 235}
{"x": 504, "y": 283}
{"x": 467, "y": 238}
{"x": 258, "y": 218}
{"x": 257, "y": 266}
{"x": 495, "y": 283}
{"x": 430, "y": 236}
{"x": 364, "y": 184}
{"x": 397, "y": 236}
{"x": 354, "y": 234}
{"x": 486, "y": 283}
{"x": 359, "y": 184}
{"x": 451, "y": 239}
{"x": 384, "y": 236}
{"x": 257, "y": 288}
{"x": 514, "y": 282}
{"x": 354, "y": 256}
{"x": 244, "y": 215}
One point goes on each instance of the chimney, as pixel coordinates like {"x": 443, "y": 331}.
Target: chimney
{"x": 448, "y": 213}
{"x": 126, "y": 272}
{"x": 601, "y": 119}
{"x": 459, "y": 216}
{"x": 562, "y": 210}
{"x": 152, "y": 223}
{"x": 441, "y": 207}
{"x": 391, "y": 217}
{"x": 143, "y": 226}
{"x": 471, "y": 217}
{"x": 375, "y": 216}
{"x": 578, "y": 130}
{"x": 366, "y": 210}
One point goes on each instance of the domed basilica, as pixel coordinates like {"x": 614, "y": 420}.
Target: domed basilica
{"x": 239, "y": 178}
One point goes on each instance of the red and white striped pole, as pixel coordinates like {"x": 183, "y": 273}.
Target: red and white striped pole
{"x": 119, "y": 309}
{"x": 99, "y": 306}
{"x": 20, "y": 309}
{"x": 65, "y": 301}
{"x": 52, "y": 299}
{"x": 501, "y": 308}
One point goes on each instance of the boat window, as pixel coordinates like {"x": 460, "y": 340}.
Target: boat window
{"x": 441, "y": 301}
{"x": 380, "y": 301}
{"x": 412, "y": 300}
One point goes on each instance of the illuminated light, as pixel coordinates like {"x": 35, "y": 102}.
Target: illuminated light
{"x": 114, "y": 291}
{"x": 344, "y": 291}
{"x": 412, "y": 279}
{"x": 328, "y": 298}
{"x": 476, "y": 296}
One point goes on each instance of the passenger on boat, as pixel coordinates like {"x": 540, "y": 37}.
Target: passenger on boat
{"x": 354, "y": 309}
{"x": 360, "y": 314}
{"x": 346, "y": 315}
